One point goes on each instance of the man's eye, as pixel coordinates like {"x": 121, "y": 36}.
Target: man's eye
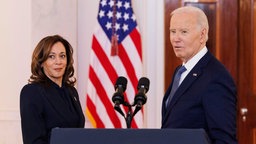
{"x": 173, "y": 31}
{"x": 184, "y": 32}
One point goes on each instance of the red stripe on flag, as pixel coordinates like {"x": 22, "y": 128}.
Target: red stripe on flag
{"x": 135, "y": 36}
{"x": 104, "y": 98}
{"x": 128, "y": 54}
{"x": 104, "y": 60}
{"x": 130, "y": 71}
{"x": 128, "y": 66}
{"x": 91, "y": 107}
{"x": 111, "y": 71}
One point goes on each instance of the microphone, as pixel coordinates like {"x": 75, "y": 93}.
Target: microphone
{"x": 143, "y": 86}
{"x": 118, "y": 96}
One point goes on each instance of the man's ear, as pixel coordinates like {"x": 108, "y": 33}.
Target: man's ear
{"x": 203, "y": 35}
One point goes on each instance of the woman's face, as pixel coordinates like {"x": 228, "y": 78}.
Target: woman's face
{"x": 55, "y": 65}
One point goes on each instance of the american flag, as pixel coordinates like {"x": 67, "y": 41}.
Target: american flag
{"x": 116, "y": 51}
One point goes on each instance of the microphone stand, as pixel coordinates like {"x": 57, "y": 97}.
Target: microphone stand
{"x": 139, "y": 99}
{"x": 129, "y": 115}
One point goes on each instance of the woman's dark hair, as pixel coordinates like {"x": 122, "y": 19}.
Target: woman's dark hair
{"x": 40, "y": 55}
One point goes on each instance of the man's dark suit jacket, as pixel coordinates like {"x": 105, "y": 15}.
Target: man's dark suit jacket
{"x": 205, "y": 99}
{"x": 43, "y": 108}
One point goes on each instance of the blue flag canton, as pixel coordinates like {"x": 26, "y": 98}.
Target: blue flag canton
{"x": 125, "y": 18}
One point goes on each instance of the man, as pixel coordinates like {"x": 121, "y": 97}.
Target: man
{"x": 206, "y": 94}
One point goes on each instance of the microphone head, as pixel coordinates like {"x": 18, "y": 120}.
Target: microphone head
{"x": 120, "y": 87}
{"x": 143, "y": 83}
{"x": 121, "y": 82}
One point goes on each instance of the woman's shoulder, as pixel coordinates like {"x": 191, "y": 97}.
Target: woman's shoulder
{"x": 31, "y": 95}
{"x": 31, "y": 88}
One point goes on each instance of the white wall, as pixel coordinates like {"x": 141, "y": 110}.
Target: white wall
{"x": 23, "y": 23}
{"x": 15, "y": 45}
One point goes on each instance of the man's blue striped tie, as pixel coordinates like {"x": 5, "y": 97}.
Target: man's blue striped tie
{"x": 175, "y": 84}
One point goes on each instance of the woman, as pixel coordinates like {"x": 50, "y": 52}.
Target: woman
{"x": 50, "y": 100}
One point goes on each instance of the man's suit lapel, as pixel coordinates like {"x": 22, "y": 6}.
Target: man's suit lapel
{"x": 187, "y": 82}
{"x": 193, "y": 75}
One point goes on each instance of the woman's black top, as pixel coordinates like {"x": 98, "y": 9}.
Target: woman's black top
{"x": 44, "y": 107}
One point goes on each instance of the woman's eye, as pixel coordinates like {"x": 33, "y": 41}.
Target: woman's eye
{"x": 63, "y": 56}
{"x": 51, "y": 56}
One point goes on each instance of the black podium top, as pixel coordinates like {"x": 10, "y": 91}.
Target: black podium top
{"x": 128, "y": 136}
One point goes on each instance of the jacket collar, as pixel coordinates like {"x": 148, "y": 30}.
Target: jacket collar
{"x": 192, "y": 76}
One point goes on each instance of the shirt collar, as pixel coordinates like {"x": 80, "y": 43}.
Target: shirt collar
{"x": 193, "y": 61}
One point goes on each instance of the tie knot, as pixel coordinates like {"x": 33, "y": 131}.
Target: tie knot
{"x": 181, "y": 70}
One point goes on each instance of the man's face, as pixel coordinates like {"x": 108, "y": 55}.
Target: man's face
{"x": 186, "y": 35}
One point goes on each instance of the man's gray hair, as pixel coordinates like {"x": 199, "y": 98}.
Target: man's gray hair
{"x": 201, "y": 17}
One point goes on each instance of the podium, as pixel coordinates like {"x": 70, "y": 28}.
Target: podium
{"x": 128, "y": 136}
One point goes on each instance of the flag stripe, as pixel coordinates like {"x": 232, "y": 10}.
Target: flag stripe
{"x": 108, "y": 86}
{"x": 115, "y": 18}
{"x": 104, "y": 60}
{"x": 128, "y": 66}
{"x": 137, "y": 41}
{"x": 104, "y": 98}
{"x": 100, "y": 107}
{"x": 107, "y": 65}
{"x": 111, "y": 71}
{"x": 93, "y": 116}
{"x": 132, "y": 52}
